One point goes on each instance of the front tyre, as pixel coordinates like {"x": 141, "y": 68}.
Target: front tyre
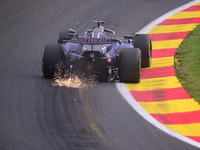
{"x": 130, "y": 65}
{"x": 54, "y": 61}
{"x": 61, "y": 35}
{"x": 66, "y": 34}
{"x": 143, "y": 42}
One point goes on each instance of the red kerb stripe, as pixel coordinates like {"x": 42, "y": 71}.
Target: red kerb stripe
{"x": 195, "y": 138}
{"x": 160, "y": 95}
{"x": 178, "y": 118}
{"x": 159, "y": 53}
{"x": 168, "y": 36}
{"x": 158, "y": 72}
{"x": 193, "y": 8}
{"x": 180, "y": 21}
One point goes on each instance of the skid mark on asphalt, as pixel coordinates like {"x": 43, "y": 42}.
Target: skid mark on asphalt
{"x": 160, "y": 92}
{"x": 93, "y": 120}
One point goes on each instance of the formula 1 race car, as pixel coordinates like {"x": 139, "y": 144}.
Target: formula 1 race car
{"x": 99, "y": 52}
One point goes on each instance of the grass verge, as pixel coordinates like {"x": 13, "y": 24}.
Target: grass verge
{"x": 187, "y": 63}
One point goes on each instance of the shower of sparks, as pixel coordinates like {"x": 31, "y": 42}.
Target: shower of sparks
{"x": 74, "y": 81}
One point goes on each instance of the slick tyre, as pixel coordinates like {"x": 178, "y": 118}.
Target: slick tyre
{"x": 143, "y": 42}
{"x": 61, "y": 35}
{"x": 130, "y": 65}
{"x": 54, "y": 61}
{"x": 66, "y": 34}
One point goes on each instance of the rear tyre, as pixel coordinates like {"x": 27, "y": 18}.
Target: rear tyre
{"x": 143, "y": 42}
{"x": 130, "y": 65}
{"x": 54, "y": 61}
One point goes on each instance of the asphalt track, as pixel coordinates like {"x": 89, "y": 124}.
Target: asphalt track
{"x": 36, "y": 115}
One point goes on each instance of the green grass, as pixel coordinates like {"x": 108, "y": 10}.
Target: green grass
{"x": 187, "y": 63}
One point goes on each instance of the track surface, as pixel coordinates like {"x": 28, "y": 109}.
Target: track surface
{"x": 36, "y": 115}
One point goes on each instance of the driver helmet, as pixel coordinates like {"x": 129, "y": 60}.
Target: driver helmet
{"x": 102, "y": 28}
{"x": 98, "y": 33}
{"x": 103, "y": 33}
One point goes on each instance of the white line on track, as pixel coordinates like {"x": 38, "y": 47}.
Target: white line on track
{"x": 129, "y": 98}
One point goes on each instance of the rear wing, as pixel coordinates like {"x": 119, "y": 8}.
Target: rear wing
{"x": 99, "y": 22}
{"x": 91, "y": 41}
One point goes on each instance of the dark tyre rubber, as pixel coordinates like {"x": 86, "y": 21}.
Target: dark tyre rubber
{"x": 143, "y": 42}
{"x": 130, "y": 65}
{"x": 103, "y": 75}
{"x": 66, "y": 34}
{"x": 54, "y": 61}
{"x": 61, "y": 35}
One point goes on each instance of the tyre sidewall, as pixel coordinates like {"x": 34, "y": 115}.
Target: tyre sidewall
{"x": 53, "y": 56}
{"x": 143, "y": 42}
{"x": 130, "y": 65}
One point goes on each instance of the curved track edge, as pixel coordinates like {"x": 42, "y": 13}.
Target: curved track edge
{"x": 125, "y": 90}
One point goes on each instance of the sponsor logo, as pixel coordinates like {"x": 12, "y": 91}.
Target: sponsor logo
{"x": 90, "y": 40}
